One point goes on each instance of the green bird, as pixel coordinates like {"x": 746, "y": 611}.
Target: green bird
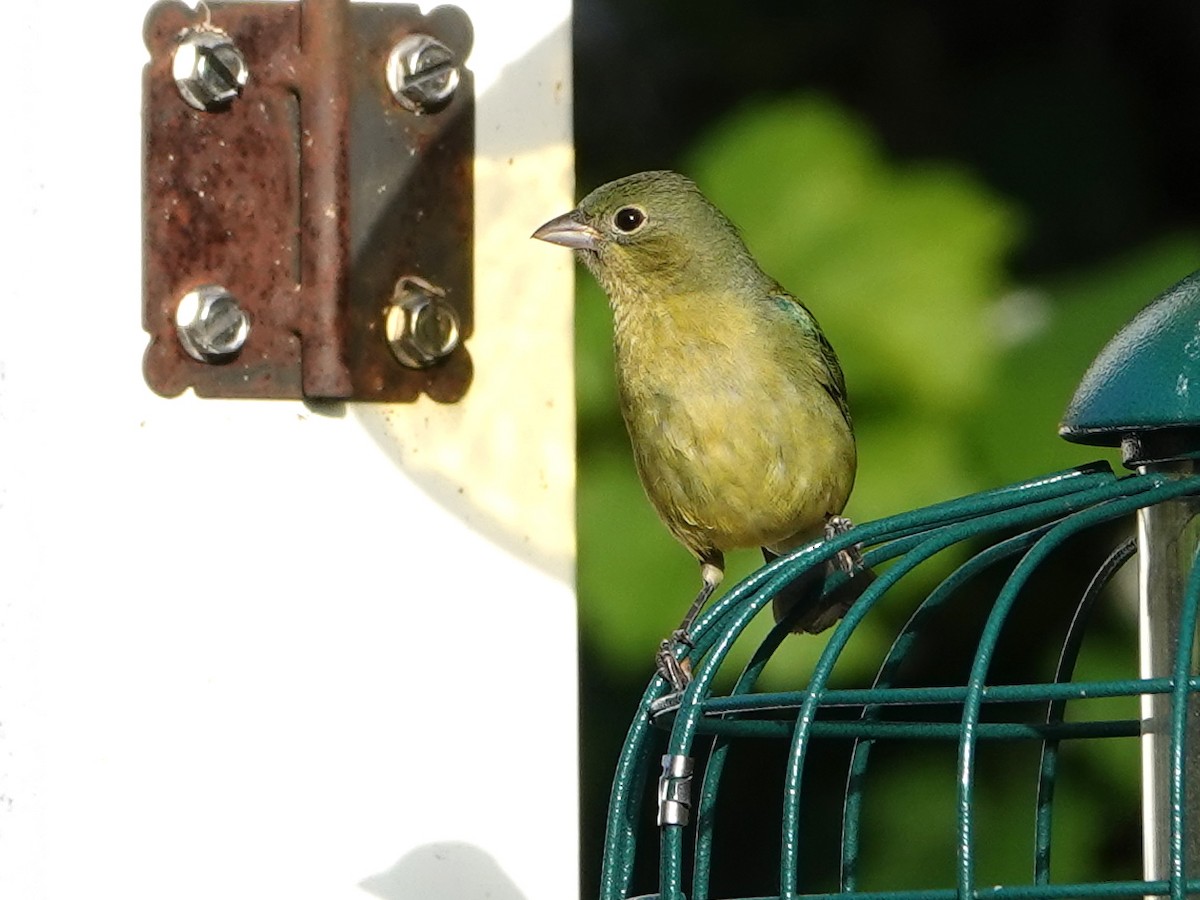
{"x": 733, "y": 397}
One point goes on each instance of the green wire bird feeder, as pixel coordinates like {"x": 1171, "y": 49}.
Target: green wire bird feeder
{"x": 1142, "y": 394}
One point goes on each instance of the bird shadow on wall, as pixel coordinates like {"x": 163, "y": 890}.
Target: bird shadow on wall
{"x": 443, "y": 871}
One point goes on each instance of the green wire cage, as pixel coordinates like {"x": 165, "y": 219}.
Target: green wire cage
{"x": 1136, "y": 395}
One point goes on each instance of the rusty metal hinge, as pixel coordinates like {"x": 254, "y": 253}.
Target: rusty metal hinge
{"x": 308, "y": 202}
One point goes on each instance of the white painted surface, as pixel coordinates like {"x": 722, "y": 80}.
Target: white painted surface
{"x": 200, "y": 697}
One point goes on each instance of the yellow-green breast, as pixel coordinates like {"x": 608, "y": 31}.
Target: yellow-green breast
{"x": 736, "y": 441}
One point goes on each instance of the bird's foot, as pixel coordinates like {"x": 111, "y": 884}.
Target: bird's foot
{"x": 677, "y": 672}
{"x": 849, "y": 560}
{"x": 681, "y": 636}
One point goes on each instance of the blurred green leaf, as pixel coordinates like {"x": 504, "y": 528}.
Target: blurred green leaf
{"x": 1049, "y": 336}
{"x": 898, "y": 262}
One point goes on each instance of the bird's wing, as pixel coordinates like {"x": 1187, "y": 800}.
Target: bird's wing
{"x": 830, "y": 372}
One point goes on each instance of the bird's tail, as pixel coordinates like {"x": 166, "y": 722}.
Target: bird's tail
{"x": 802, "y": 599}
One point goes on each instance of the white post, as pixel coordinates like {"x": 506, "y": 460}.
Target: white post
{"x": 248, "y": 650}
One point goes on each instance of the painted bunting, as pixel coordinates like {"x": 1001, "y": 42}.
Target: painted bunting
{"x": 734, "y": 399}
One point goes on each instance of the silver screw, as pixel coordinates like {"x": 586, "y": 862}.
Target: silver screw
{"x": 212, "y": 327}
{"x": 422, "y": 73}
{"x": 420, "y": 325}
{"x": 209, "y": 69}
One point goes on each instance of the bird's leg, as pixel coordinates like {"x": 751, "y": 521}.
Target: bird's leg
{"x": 849, "y": 560}
{"x": 712, "y": 570}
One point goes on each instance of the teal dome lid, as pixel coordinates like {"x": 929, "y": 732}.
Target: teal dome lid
{"x": 1144, "y": 387}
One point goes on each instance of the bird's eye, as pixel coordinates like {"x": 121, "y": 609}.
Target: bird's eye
{"x": 629, "y": 218}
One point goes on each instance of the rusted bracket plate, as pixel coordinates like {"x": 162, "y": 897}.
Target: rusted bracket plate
{"x": 308, "y": 197}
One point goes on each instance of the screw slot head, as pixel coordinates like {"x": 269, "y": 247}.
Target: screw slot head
{"x": 212, "y": 327}
{"x": 209, "y": 69}
{"x": 420, "y": 325}
{"x": 422, "y": 74}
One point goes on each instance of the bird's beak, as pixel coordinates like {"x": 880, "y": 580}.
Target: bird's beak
{"x": 567, "y": 231}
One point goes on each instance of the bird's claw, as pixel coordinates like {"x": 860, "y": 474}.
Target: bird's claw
{"x": 681, "y": 636}
{"x": 836, "y": 525}
{"x": 849, "y": 560}
{"x": 677, "y": 672}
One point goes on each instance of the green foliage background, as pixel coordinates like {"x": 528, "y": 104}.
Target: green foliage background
{"x": 958, "y": 375}
{"x": 958, "y": 372}
{"x": 973, "y": 198}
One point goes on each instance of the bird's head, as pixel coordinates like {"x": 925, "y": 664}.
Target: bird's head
{"x": 652, "y": 233}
